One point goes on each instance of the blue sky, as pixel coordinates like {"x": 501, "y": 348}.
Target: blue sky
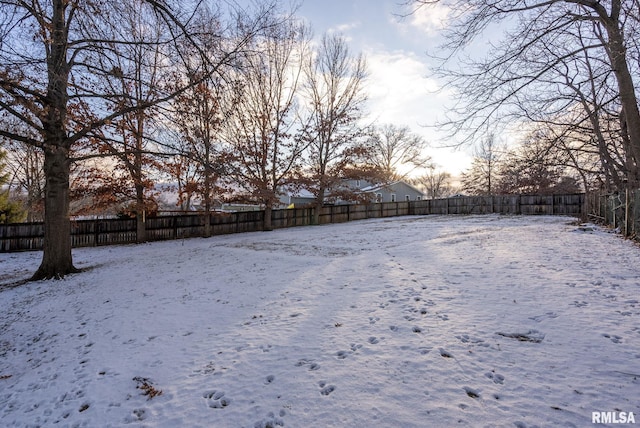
{"x": 400, "y": 88}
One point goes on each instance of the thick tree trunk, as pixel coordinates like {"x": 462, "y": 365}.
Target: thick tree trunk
{"x": 628, "y": 98}
{"x": 56, "y": 260}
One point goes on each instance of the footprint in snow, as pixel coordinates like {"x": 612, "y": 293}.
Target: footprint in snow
{"x": 473, "y": 393}
{"x": 445, "y": 354}
{"x": 271, "y": 420}
{"x": 216, "y": 399}
{"x": 497, "y": 378}
{"x": 465, "y": 338}
{"x": 312, "y": 366}
{"x": 613, "y": 337}
{"x": 137, "y": 415}
{"x": 326, "y": 389}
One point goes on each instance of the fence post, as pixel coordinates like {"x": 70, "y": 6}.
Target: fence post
{"x": 626, "y": 211}
{"x": 174, "y": 220}
{"x": 634, "y": 212}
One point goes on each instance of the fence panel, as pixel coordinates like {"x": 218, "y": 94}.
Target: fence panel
{"x": 111, "y": 232}
{"x": 440, "y": 206}
{"x": 21, "y": 236}
{"x": 291, "y": 217}
{"x": 609, "y": 208}
{"x": 359, "y": 212}
{"x": 620, "y": 210}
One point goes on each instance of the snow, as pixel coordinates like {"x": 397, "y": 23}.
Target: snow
{"x": 412, "y": 321}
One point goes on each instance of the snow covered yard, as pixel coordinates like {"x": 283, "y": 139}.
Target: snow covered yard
{"x": 402, "y": 322}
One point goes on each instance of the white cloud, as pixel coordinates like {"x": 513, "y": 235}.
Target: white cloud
{"x": 402, "y": 93}
{"x": 431, "y": 19}
{"x": 399, "y": 87}
{"x": 345, "y": 28}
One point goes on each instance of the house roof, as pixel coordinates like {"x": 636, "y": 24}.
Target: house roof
{"x": 297, "y": 193}
{"x": 387, "y": 186}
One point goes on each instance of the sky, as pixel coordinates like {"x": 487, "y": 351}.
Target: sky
{"x": 400, "y": 87}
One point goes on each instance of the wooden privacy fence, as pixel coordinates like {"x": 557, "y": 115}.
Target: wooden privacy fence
{"x": 87, "y": 233}
{"x": 620, "y": 210}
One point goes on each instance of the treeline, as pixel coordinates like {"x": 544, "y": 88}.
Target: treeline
{"x": 229, "y": 109}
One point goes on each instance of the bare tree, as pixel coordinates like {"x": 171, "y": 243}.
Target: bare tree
{"x": 534, "y": 167}
{"x": 482, "y": 176}
{"x": 335, "y": 96}
{"x": 436, "y": 182}
{"x": 139, "y": 74}
{"x": 51, "y": 70}
{"x": 266, "y": 148}
{"x": 198, "y": 117}
{"x": 398, "y": 152}
{"x": 575, "y": 108}
{"x": 542, "y": 36}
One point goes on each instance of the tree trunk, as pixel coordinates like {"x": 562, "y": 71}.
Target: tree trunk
{"x": 141, "y": 215}
{"x": 56, "y": 259}
{"x": 207, "y": 208}
{"x": 318, "y": 206}
{"x": 207, "y": 197}
{"x": 628, "y": 98}
{"x": 268, "y": 209}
